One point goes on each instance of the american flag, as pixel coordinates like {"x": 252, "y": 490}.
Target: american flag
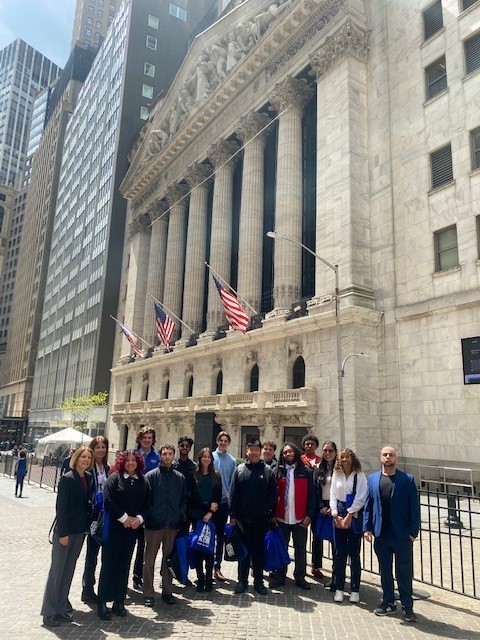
{"x": 133, "y": 340}
{"x": 236, "y": 316}
{"x": 165, "y": 326}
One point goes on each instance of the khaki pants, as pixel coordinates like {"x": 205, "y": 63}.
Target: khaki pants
{"x": 153, "y": 540}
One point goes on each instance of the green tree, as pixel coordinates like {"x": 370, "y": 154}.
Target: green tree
{"x": 81, "y": 408}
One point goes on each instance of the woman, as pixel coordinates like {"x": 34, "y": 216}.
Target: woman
{"x": 99, "y": 446}
{"x": 73, "y": 511}
{"x": 323, "y": 480}
{"x": 347, "y": 496}
{"x": 126, "y": 499}
{"x": 204, "y": 501}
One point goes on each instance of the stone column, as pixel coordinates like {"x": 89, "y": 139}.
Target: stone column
{"x": 194, "y": 286}
{"x": 251, "y": 235}
{"x": 221, "y": 234}
{"x": 156, "y": 266}
{"x": 175, "y": 260}
{"x": 343, "y": 220}
{"x": 292, "y": 95}
{"x": 139, "y": 238}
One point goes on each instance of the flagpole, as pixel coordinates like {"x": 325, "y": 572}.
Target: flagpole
{"x": 219, "y": 277}
{"x": 172, "y": 314}
{"x": 133, "y": 333}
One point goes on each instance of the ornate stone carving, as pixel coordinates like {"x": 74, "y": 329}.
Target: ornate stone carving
{"x": 189, "y": 369}
{"x": 141, "y": 224}
{"x": 198, "y": 174}
{"x": 145, "y": 377}
{"x": 157, "y": 210}
{"x": 295, "y": 349}
{"x": 251, "y": 125}
{"x": 129, "y": 380}
{"x": 252, "y": 356}
{"x": 292, "y": 92}
{"x": 349, "y": 40}
{"x": 177, "y": 194}
{"x": 217, "y": 364}
{"x": 166, "y": 373}
{"x": 223, "y": 152}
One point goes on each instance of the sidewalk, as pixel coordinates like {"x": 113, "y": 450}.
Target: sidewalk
{"x": 288, "y": 614}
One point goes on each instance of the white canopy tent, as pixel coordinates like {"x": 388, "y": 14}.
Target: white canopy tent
{"x": 65, "y": 439}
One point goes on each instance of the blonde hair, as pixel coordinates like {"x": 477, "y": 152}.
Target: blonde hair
{"x": 76, "y": 455}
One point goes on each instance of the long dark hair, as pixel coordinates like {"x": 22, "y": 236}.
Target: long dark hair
{"x": 119, "y": 464}
{"x": 356, "y": 466}
{"x": 97, "y": 440}
{"x": 297, "y": 457}
{"x": 211, "y": 469}
{"x": 324, "y": 470}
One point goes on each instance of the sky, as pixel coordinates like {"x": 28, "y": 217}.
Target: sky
{"x": 46, "y": 25}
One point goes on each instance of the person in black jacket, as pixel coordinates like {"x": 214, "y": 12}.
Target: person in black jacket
{"x": 204, "y": 501}
{"x": 73, "y": 510}
{"x": 99, "y": 445}
{"x": 167, "y": 508}
{"x": 253, "y": 494}
{"x": 126, "y": 499}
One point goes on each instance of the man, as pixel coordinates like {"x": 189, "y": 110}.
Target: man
{"x": 224, "y": 464}
{"x": 66, "y": 463}
{"x": 310, "y": 444}
{"x": 268, "y": 454}
{"x": 187, "y": 468}
{"x": 253, "y": 494}
{"x": 146, "y": 446}
{"x": 294, "y": 511}
{"x": 392, "y": 515}
{"x": 168, "y": 503}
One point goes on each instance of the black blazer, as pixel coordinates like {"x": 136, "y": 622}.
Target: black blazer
{"x": 74, "y": 504}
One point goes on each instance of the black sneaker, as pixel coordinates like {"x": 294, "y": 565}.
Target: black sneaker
{"x": 410, "y": 616}
{"x": 260, "y": 588}
{"x": 241, "y": 587}
{"x": 385, "y": 610}
{"x": 168, "y": 598}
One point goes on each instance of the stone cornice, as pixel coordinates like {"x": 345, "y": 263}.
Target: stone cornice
{"x": 350, "y": 40}
{"x": 142, "y": 179}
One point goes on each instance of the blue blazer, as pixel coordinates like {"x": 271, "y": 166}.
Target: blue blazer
{"x": 404, "y": 509}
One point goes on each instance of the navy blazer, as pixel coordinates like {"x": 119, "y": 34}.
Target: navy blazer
{"x": 74, "y": 504}
{"x": 404, "y": 508}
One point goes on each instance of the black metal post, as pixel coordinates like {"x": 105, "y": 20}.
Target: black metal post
{"x": 453, "y": 520}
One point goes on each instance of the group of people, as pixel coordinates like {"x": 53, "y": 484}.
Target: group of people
{"x": 154, "y": 496}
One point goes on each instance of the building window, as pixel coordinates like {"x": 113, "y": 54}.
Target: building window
{"x": 144, "y": 113}
{"x": 436, "y": 78}
{"x": 254, "y": 378}
{"x": 219, "y": 384}
{"x": 151, "y": 43}
{"x": 90, "y": 9}
{"x": 88, "y": 32}
{"x": 152, "y": 21}
{"x": 98, "y": 24}
{"x": 466, "y": 4}
{"x": 149, "y": 69}
{"x": 177, "y": 12}
{"x": 112, "y": 8}
{"x": 432, "y": 20}
{"x": 298, "y": 377}
{"x": 472, "y": 53}
{"x": 475, "y": 144}
{"x": 147, "y": 91}
{"x": 446, "y": 248}
{"x": 100, "y": 13}
{"x": 441, "y": 166}
{"x": 190, "y": 387}
{"x": 89, "y": 21}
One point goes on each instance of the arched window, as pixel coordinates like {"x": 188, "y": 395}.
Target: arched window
{"x": 145, "y": 392}
{"x": 219, "y": 385}
{"x": 128, "y": 392}
{"x": 298, "y": 373}
{"x": 190, "y": 387}
{"x": 254, "y": 374}
{"x": 166, "y": 389}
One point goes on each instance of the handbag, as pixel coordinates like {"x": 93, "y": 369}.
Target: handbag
{"x": 276, "y": 552}
{"x": 324, "y": 527}
{"x": 99, "y": 527}
{"x": 203, "y": 538}
{"x": 177, "y": 561}
{"x": 235, "y": 550}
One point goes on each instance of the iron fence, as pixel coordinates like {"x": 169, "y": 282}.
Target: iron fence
{"x": 44, "y": 473}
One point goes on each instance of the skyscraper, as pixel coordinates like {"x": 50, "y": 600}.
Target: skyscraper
{"x": 140, "y": 55}
{"x": 23, "y": 72}
{"x": 92, "y": 20}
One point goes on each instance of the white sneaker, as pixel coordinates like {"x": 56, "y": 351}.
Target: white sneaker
{"x": 338, "y": 597}
{"x": 354, "y": 596}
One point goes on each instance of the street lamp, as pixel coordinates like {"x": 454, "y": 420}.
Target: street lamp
{"x": 338, "y": 330}
{"x": 352, "y": 355}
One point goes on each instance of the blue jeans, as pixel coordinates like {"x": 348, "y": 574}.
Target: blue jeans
{"x": 386, "y": 546}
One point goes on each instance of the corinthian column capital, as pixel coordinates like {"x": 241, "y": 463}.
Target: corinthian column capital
{"x": 139, "y": 224}
{"x": 292, "y": 92}
{"x": 157, "y": 210}
{"x": 251, "y": 124}
{"x": 176, "y": 194}
{"x": 198, "y": 174}
{"x": 223, "y": 152}
{"x": 350, "y": 40}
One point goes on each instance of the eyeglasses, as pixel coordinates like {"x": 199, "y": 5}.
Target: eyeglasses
{"x": 329, "y": 451}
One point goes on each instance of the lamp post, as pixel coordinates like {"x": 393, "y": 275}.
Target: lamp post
{"x": 338, "y": 330}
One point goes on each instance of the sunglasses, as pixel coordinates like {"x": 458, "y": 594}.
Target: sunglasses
{"x": 329, "y": 451}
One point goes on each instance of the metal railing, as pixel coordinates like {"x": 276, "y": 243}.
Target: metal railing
{"x": 44, "y": 473}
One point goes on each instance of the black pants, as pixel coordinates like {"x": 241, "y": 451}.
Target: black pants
{"x": 117, "y": 552}
{"x": 221, "y": 517}
{"x": 347, "y": 544}
{"x": 299, "y": 535}
{"x": 388, "y": 546}
{"x": 253, "y": 535}
{"x": 138, "y": 564}
{"x": 91, "y": 559}
{"x": 19, "y": 484}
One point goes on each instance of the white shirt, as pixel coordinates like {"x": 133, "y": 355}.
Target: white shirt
{"x": 341, "y": 486}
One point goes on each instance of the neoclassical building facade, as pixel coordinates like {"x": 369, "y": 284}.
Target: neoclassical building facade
{"x": 308, "y": 118}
